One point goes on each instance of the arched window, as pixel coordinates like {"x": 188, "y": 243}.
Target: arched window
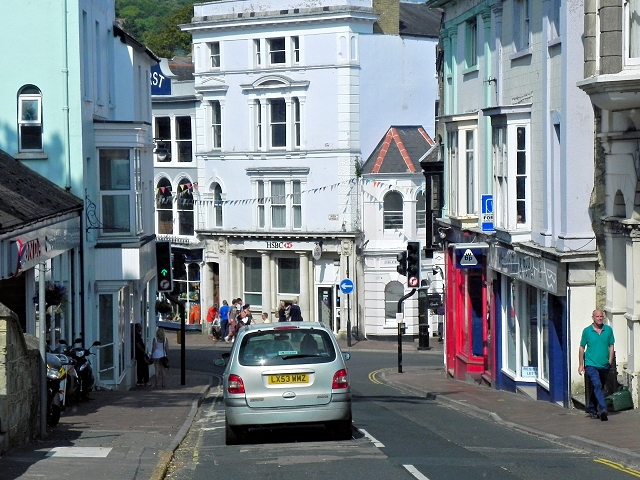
{"x": 217, "y": 204}
{"x": 30, "y": 118}
{"x": 392, "y": 293}
{"x": 164, "y": 207}
{"x": 421, "y": 210}
{"x": 392, "y": 210}
{"x": 185, "y": 207}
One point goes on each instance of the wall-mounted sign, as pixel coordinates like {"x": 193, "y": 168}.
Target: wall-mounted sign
{"x": 316, "y": 253}
{"x": 486, "y": 218}
{"x": 539, "y": 272}
{"x": 470, "y": 255}
{"x": 160, "y": 83}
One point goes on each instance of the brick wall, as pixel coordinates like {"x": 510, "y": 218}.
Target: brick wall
{"x": 19, "y": 390}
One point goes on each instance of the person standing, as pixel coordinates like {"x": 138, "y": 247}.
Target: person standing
{"x": 212, "y": 314}
{"x": 282, "y": 312}
{"x": 295, "y": 312}
{"x": 159, "y": 350}
{"x": 141, "y": 351}
{"x": 595, "y": 358}
{"x": 224, "y": 319}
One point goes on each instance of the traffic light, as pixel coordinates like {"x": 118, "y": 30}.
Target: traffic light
{"x": 163, "y": 267}
{"x": 413, "y": 264}
{"x": 402, "y": 263}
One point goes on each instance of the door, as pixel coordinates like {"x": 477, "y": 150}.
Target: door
{"x": 325, "y": 306}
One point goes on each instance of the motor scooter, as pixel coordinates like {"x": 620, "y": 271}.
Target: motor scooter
{"x": 55, "y": 373}
{"x": 83, "y": 367}
{"x": 69, "y": 383}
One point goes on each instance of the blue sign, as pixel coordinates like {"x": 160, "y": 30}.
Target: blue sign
{"x": 160, "y": 83}
{"x": 486, "y": 219}
{"x": 346, "y": 286}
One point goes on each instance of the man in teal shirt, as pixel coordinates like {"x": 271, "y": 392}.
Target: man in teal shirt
{"x": 595, "y": 360}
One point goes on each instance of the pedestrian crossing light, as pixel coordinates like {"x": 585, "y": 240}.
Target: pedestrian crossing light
{"x": 413, "y": 264}
{"x": 402, "y": 263}
{"x": 163, "y": 267}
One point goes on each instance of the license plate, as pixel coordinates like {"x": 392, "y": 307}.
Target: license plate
{"x": 288, "y": 378}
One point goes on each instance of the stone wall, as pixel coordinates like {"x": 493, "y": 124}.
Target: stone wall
{"x": 19, "y": 386}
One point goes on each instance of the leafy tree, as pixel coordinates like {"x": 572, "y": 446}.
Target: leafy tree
{"x": 170, "y": 41}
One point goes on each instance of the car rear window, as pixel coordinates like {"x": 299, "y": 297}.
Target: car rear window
{"x": 286, "y": 347}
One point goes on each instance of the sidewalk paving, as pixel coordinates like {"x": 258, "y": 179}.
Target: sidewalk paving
{"x": 142, "y": 427}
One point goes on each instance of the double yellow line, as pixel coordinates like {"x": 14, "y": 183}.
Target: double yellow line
{"x": 618, "y": 466}
{"x": 373, "y": 376}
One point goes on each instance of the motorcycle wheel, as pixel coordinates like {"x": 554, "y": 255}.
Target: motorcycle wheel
{"x": 54, "y": 415}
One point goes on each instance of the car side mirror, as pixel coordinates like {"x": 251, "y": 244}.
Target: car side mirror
{"x": 220, "y": 362}
{"x": 346, "y": 355}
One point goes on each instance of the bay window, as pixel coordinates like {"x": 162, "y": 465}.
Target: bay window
{"x": 281, "y": 207}
{"x": 462, "y": 168}
{"x": 185, "y": 207}
{"x": 174, "y": 138}
{"x": 115, "y": 190}
{"x": 632, "y": 32}
{"x": 164, "y": 207}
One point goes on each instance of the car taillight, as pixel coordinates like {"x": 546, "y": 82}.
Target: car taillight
{"x": 340, "y": 379}
{"x": 236, "y": 385}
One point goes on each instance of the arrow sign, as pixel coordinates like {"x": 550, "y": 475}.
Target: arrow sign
{"x": 346, "y": 286}
{"x": 468, "y": 259}
{"x": 164, "y": 272}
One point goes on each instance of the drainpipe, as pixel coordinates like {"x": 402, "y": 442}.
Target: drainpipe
{"x": 65, "y": 106}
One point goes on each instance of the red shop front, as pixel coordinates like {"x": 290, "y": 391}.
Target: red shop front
{"x": 467, "y": 325}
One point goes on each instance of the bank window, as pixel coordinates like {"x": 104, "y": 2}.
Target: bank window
{"x": 261, "y": 203}
{"x": 296, "y": 204}
{"x": 288, "y": 276}
{"x": 295, "y": 45}
{"x": 214, "y": 55}
{"x": 632, "y": 32}
{"x": 30, "y": 118}
{"x": 278, "y": 122}
{"x": 392, "y": 211}
{"x": 277, "y": 53}
{"x": 164, "y": 207}
{"x": 278, "y": 205}
{"x": 115, "y": 190}
{"x": 216, "y": 125}
{"x": 253, "y": 282}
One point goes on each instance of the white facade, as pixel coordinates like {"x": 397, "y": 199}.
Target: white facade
{"x": 289, "y": 103}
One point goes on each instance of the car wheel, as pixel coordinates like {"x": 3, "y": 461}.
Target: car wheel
{"x": 232, "y": 435}
{"x": 341, "y": 430}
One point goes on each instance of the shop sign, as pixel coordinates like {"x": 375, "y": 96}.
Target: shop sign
{"x": 469, "y": 255}
{"x": 35, "y": 247}
{"x": 539, "y": 272}
{"x": 281, "y": 245}
{"x": 529, "y": 372}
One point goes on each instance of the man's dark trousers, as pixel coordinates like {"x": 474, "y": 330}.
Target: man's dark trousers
{"x": 598, "y": 377}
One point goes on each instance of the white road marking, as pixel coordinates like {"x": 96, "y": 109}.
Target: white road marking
{"x": 84, "y": 452}
{"x": 373, "y": 440}
{"x": 414, "y": 471}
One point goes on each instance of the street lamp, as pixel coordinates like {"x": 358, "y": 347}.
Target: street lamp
{"x": 161, "y": 151}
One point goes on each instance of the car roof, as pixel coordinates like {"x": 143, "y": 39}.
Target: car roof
{"x": 283, "y": 325}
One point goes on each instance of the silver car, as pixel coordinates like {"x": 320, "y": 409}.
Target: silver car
{"x": 285, "y": 374}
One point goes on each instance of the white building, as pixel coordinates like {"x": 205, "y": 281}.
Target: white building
{"x": 292, "y": 97}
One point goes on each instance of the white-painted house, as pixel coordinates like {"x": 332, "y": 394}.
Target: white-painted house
{"x": 292, "y": 96}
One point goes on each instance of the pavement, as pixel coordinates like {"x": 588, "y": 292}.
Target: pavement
{"x": 133, "y": 434}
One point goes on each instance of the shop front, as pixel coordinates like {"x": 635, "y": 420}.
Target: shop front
{"x": 264, "y": 271}
{"x": 530, "y": 307}
{"x": 467, "y": 329}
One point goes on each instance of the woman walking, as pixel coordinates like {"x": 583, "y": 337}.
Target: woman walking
{"x": 159, "y": 349}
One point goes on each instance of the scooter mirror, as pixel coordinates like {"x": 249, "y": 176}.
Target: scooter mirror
{"x": 96, "y": 343}
{"x": 77, "y": 340}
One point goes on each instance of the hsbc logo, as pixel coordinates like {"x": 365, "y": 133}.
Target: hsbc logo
{"x": 279, "y": 245}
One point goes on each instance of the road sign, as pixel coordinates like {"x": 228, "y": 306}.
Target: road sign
{"x": 346, "y": 286}
{"x": 486, "y": 218}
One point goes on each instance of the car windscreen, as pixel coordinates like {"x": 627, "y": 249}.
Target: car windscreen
{"x": 286, "y": 347}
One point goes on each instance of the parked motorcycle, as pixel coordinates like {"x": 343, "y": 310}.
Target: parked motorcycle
{"x": 83, "y": 367}
{"x": 69, "y": 383}
{"x": 55, "y": 373}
